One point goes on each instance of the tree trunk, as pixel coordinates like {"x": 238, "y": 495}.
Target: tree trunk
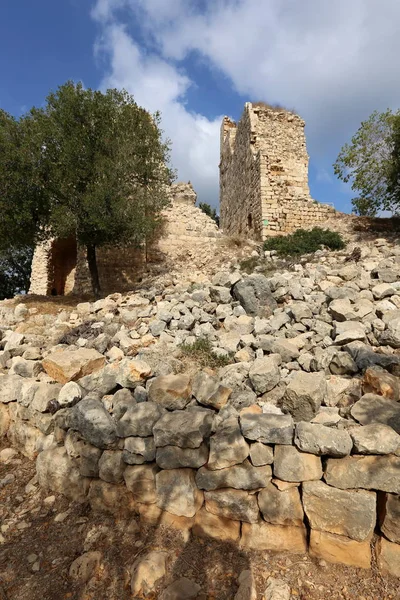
{"x": 94, "y": 273}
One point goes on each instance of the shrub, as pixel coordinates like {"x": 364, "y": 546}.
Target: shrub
{"x": 202, "y": 352}
{"x": 305, "y": 242}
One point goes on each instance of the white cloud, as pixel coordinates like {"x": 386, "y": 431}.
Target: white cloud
{"x": 334, "y": 62}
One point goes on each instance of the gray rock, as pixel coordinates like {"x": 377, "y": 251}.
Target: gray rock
{"x": 139, "y": 420}
{"x": 220, "y": 294}
{"x": 132, "y": 372}
{"x": 348, "y": 513}
{"x": 177, "y": 492}
{"x": 180, "y": 589}
{"x": 320, "y": 440}
{"x": 25, "y": 368}
{"x": 254, "y": 294}
{"x": 390, "y": 517}
{"x": 173, "y": 457}
{"x": 264, "y": 374}
{"x": 241, "y": 477}
{"x": 277, "y": 590}
{"x": 372, "y": 408}
{"x": 383, "y": 290}
{"x": 45, "y": 397}
{"x": 157, "y": 327}
{"x": 281, "y": 507}
{"x": 10, "y": 388}
{"x": 304, "y": 395}
{"x": 261, "y": 455}
{"x": 267, "y": 428}
{"x": 208, "y": 391}
{"x": 365, "y": 357}
{"x": 141, "y": 481}
{"x": 121, "y": 401}
{"x": 287, "y": 350}
{"x": 374, "y": 439}
{"x": 138, "y": 450}
{"x": 56, "y": 471}
{"x": 237, "y": 505}
{"x": 186, "y": 429}
{"x": 101, "y": 382}
{"x": 342, "y": 310}
{"x": 170, "y": 391}
{"x": 93, "y": 422}
{"x": 111, "y": 466}
{"x": 342, "y": 364}
{"x": 348, "y": 331}
{"x": 300, "y": 311}
{"x": 368, "y": 472}
{"x": 69, "y": 394}
{"x": 292, "y": 465}
{"x": 227, "y": 446}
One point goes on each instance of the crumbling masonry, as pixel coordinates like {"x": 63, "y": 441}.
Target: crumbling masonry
{"x": 264, "y": 175}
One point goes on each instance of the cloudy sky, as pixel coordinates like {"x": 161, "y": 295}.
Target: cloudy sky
{"x": 333, "y": 61}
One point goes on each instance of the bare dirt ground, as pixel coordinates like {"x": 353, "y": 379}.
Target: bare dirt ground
{"x": 42, "y": 534}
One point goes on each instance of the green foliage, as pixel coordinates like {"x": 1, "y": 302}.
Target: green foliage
{"x": 304, "y": 242}
{"x": 371, "y": 163}
{"x": 209, "y": 211}
{"x": 15, "y": 271}
{"x": 202, "y": 352}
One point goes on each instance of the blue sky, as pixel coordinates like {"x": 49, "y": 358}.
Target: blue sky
{"x": 196, "y": 60}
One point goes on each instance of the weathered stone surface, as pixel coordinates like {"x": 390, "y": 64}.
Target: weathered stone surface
{"x": 139, "y": 419}
{"x": 56, "y": 471}
{"x": 152, "y": 515}
{"x": 241, "y": 477}
{"x": 390, "y": 517}
{"x": 260, "y": 454}
{"x": 286, "y": 349}
{"x": 342, "y": 310}
{"x": 207, "y": 524}
{"x": 340, "y": 549}
{"x": 264, "y": 374}
{"x": 388, "y": 557}
{"x": 376, "y": 409}
{"x": 4, "y": 420}
{"x": 349, "y": 331}
{"x": 277, "y": 538}
{"x": 227, "y": 446}
{"x": 254, "y": 294}
{"x": 268, "y": 428}
{"x": 378, "y": 381}
{"x": 44, "y": 397}
{"x": 141, "y": 481}
{"x": 247, "y": 589}
{"x": 25, "y": 368}
{"x": 277, "y": 590}
{"x": 147, "y": 571}
{"x": 69, "y": 394}
{"x": 94, "y": 423}
{"x": 208, "y": 391}
{"x": 186, "y": 429}
{"x": 320, "y": 440}
{"x": 111, "y": 466}
{"x": 237, "y": 505}
{"x": 84, "y": 567}
{"x": 292, "y": 465}
{"x": 173, "y": 457}
{"x": 26, "y": 438}
{"x": 374, "y": 439}
{"x": 368, "y": 472}
{"x": 181, "y": 588}
{"x": 303, "y": 396}
{"x": 10, "y": 388}
{"x": 138, "y": 450}
{"x": 178, "y": 493}
{"x": 349, "y": 513}
{"x": 132, "y": 372}
{"x": 281, "y": 507}
{"x": 171, "y": 391}
{"x": 70, "y": 365}
{"x": 102, "y": 381}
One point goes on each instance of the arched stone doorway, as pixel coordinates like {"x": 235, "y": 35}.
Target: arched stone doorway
{"x": 63, "y": 258}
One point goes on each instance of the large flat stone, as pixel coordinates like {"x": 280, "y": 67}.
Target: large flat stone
{"x": 281, "y": 507}
{"x": 237, "y": 505}
{"x": 227, "y": 446}
{"x": 186, "y": 429}
{"x": 70, "y": 365}
{"x": 277, "y": 538}
{"x": 139, "y": 419}
{"x": 349, "y": 513}
{"x": 173, "y": 457}
{"x": 390, "y": 517}
{"x": 241, "y": 477}
{"x": 264, "y": 374}
{"x": 376, "y": 409}
{"x": 208, "y": 525}
{"x": 267, "y": 428}
{"x": 177, "y": 492}
{"x": 374, "y": 439}
{"x": 388, "y": 557}
{"x": 292, "y": 465}
{"x": 340, "y": 549}
{"x": 318, "y": 439}
{"x": 368, "y": 472}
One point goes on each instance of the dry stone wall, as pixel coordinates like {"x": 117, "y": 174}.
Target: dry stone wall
{"x": 264, "y": 175}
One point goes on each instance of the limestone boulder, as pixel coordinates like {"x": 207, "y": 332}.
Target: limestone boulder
{"x": 247, "y": 589}
{"x": 70, "y": 394}
{"x": 171, "y": 391}
{"x": 367, "y": 472}
{"x": 374, "y": 439}
{"x": 139, "y": 419}
{"x": 254, "y": 294}
{"x": 208, "y": 391}
{"x": 147, "y": 571}
{"x": 241, "y": 477}
{"x": 320, "y": 440}
{"x": 281, "y": 507}
{"x": 4, "y": 420}
{"x": 141, "y": 481}
{"x": 70, "y": 365}
{"x": 340, "y": 549}
{"x": 372, "y": 409}
{"x": 10, "y": 388}
{"x": 277, "y": 538}
{"x": 85, "y": 566}
{"x": 379, "y": 381}
{"x": 351, "y": 513}
{"x": 133, "y": 372}
{"x": 181, "y": 588}
{"x": 186, "y": 429}
{"x": 111, "y": 466}
{"x": 348, "y": 331}
{"x": 294, "y": 466}
{"x": 304, "y": 395}
{"x": 388, "y": 557}
{"x": 267, "y": 428}
{"x": 227, "y": 446}
{"x": 264, "y": 374}
{"x": 138, "y": 450}
{"x": 174, "y": 457}
{"x": 237, "y": 505}
{"x": 94, "y": 423}
{"x": 277, "y": 590}
{"x": 209, "y": 525}
{"x": 102, "y": 381}
{"x": 261, "y": 454}
{"x": 178, "y": 493}
{"x": 390, "y": 517}
{"x": 56, "y": 471}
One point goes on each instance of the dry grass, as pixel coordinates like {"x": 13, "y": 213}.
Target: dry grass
{"x": 272, "y": 107}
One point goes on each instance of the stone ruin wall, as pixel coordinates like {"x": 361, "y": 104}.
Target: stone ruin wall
{"x": 264, "y": 175}
{"x": 60, "y": 268}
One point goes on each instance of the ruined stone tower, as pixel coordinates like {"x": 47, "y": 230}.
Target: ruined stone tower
{"x": 264, "y": 175}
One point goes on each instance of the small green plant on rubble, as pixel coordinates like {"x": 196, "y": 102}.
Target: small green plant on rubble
{"x": 202, "y": 352}
{"x": 305, "y": 242}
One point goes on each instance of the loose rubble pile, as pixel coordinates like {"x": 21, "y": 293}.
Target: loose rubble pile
{"x": 295, "y": 444}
